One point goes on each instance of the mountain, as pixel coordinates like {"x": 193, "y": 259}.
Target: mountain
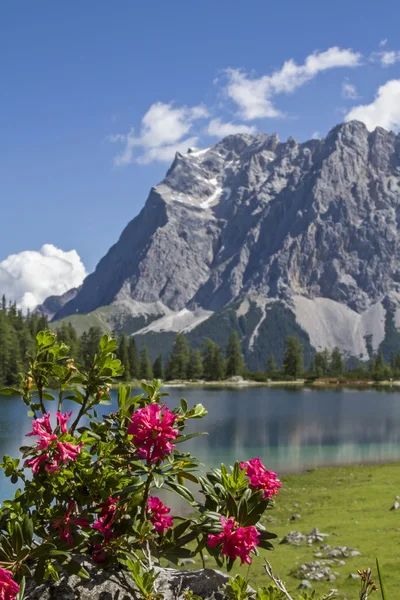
{"x": 267, "y": 238}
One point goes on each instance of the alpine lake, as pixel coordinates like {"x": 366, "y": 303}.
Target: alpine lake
{"x": 291, "y": 429}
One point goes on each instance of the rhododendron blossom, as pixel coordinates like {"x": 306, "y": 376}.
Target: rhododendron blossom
{"x": 260, "y": 478}
{"x": 64, "y": 524}
{"x": 63, "y": 420}
{"x": 8, "y": 587}
{"x": 152, "y": 431}
{"x": 64, "y": 451}
{"x": 106, "y": 517}
{"x": 157, "y": 512}
{"x": 239, "y": 542}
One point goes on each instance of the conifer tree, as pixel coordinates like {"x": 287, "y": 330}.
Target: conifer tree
{"x": 146, "y": 370}
{"x": 178, "y": 364}
{"x": 337, "y": 363}
{"x": 134, "y": 362}
{"x": 322, "y": 362}
{"x": 213, "y": 361}
{"x": 158, "y": 368}
{"x": 293, "y": 358}
{"x": 123, "y": 355}
{"x": 271, "y": 366}
{"x": 234, "y": 357}
{"x": 195, "y": 365}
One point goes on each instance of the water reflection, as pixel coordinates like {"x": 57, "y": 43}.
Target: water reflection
{"x": 290, "y": 429}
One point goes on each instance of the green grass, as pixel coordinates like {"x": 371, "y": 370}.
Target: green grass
{"x": 352, "y": 502}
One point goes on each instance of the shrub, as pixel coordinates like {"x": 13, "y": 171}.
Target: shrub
{"x": 88, "y": 486}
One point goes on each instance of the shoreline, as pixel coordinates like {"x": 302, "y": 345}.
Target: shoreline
{"x": 245, "y": 383}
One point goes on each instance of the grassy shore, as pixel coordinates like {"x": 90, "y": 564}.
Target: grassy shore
{"x": 352, "y": 505}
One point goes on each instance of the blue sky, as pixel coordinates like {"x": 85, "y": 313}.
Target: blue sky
{"x": 77, "y": 79}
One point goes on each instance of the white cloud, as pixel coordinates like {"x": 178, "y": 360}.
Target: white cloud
{"x": 163, "y": 132}
{"x": 349, "y": 91}
{"x": 29, "y": 277}
{"x": 218, "y": 128}
{"x": 383, "y": 43}
{"x": 316, "y": 135}
{"x": 390, "y": 57}
{"x": 384, "y": 111}
{"x": 254, "y": 97}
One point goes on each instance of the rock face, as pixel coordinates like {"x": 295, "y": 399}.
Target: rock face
{"x": 105, "y": 585}
{"x": 253, "y": 225}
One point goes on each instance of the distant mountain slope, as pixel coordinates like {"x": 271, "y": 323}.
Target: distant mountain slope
{"x": 298, "y": 237}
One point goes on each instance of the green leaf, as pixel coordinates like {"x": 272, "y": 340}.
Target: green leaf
{"x": 9, "y": 391}
{"x": 17, "y": 539}
{"x": 188, "y": 475}
{"x": 184, "y": 438}
{"x": 158, "y": 479}
{"x": 381, "y": 582}
{"x": 181, "y": 490}
{"x": 27, "y": 530}
{"x": 74, "y": 568}
{"x": 184, "y": 405}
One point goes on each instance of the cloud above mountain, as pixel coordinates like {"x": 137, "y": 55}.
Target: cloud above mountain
{"x": 383, "y": 111}
{"x": 254, "y": 96}
{"x": 29, "y": 277}
{"x": 244, "y": 97}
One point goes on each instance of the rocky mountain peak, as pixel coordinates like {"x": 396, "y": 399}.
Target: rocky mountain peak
{"x": 255, "y": 217}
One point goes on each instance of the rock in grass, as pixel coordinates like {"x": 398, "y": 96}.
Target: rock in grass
{"x": 104, "y": 585}
{"x": 396, "y": 505}
{"x": 305, "y": 585}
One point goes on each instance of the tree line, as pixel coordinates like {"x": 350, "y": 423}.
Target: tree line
{"x": 211, "y": 362}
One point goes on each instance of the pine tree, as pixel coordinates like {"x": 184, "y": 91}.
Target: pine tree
{"x": 322, "y": 363}
{"x": 271, "y": 366}
{"x": 134, "y": 362}
{"x": 178, "y": 364}
{"x": 195, "y": 365}
{"x": 337, "y": 363}
{"x": 146, "y": 370}
{"x": 293, "y": 358}
{"x": 158, "y": 368}
{"x": 234, "y": 357}
{"x": 123, "y": 355}
{"x": 213, "y": 361}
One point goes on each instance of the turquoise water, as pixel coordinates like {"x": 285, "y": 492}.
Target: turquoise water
{"x": 290, "y": 429}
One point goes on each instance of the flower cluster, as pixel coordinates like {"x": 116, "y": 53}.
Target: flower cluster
{"x": 152, "y": 431}
{"x": 260, "y": 478}
{"x": 236, "y": 541}
{"x": 8, "y": 588}
{"x": 64, "y": 524}
{"x": 62, "y": 452}
{"x": 157, "y": 512}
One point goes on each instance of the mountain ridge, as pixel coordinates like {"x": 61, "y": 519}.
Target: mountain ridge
{"x": 312, "y": 226}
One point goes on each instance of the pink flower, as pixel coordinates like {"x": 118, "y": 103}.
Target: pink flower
{"x": 35, "y": 463}
{"x": 64, "y": 524}
{"x": 152, "y": 431}
{"x": 41, "y": 424}
{"x": 236, "y": 543}
{"x": 45, "y": 440}
{"x": 156, "y": 511}
{"x": 106, "y": 517}
{"x": 67, "y": 452}
{"x": 63, "y": 420}
{"x": 8, "y": 588}
{"x": 42, "y": 428}
{"x": 260, "y": 478}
